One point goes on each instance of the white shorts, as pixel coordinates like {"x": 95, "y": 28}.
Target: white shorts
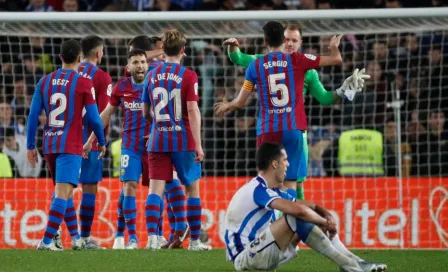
{"x": 263, "y": 254}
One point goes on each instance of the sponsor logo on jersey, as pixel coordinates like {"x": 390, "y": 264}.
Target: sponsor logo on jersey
{"x": 55, "y": 133}
{"x": 169, "y": 129}
{"x": 311, "y": 57}
{"x": 133, "y": 106}
{"x": 279, "y": 111}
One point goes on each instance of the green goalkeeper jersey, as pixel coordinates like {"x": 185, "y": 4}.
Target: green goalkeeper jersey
{"x": 311, "y": 83}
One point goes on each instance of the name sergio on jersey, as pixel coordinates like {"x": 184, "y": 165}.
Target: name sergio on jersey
{"x": 133, "y": 106}
{"x": 278, "y": 63}
{"x": 168, "y": 76}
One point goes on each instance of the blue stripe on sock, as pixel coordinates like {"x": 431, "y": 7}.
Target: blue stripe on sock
{"x": 152, "y": 216}
{"x": 121, "y": 224}
{"x": 129, "y": 205}
{"x": 160, "y": 224}
{"x": 194, "y": 224}
{"x": 57, "y": 205}
{"x": 88, "y": 200}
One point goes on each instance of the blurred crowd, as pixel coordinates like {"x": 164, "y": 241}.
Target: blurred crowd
{"x": 411, "y": 67}
{"x": 203, "y": 5}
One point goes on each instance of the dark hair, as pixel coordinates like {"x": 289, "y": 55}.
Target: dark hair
{"x": 70, "y": 51}
{"x": 89, "y": 44}
{"x": 274, "y": 33}
{"x": 136, "y": 52}
{"x": 141, "y": 42}
{"x": 267, "y": 153}
{"x": 155, "y": 39}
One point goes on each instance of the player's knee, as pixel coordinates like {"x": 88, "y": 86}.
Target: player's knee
{"x": 90, "y": 188}
{"x": 192, "y": 190}
{"x": 300, "y": 227}
{"x": 130, "y": 187}
{"x": 63, "y": 190}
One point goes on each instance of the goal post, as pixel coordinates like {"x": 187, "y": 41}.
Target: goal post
{"x": 406, "y": 100}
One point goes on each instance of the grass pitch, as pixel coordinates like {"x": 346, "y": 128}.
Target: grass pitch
{"x": 183, "y": 260}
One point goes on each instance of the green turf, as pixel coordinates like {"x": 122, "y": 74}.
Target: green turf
{"x": 183, "y": 260}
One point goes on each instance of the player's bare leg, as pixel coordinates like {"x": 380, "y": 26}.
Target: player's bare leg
{"x": 194, "y": 214}
{"x": 121, "y": 223}
{"x": 152, "y": 212}
{"x": 87, "y": 213}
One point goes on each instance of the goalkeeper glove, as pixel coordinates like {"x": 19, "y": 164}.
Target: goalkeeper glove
{"x": 352, "y": 84}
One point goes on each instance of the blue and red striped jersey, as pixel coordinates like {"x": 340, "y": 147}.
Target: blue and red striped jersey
{"x": 279, "y": 79}
{"x": 64, "y": 94}
{"x": 168, "y": 88}
{"x": 128, "y": 96}
{"x": 102, "y": 82}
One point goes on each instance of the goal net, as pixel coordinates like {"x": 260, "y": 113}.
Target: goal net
{"x": 405, "y": 101}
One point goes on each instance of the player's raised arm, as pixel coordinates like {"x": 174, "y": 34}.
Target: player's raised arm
{"x": 235, "y": 54}
{"x": 32, "y": 123}
{"x": 335, "y": 57}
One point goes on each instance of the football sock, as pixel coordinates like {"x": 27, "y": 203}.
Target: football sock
{"x": 86, "y": 213}
{"x": 336, "y": 242}
{"x": 55, "y": 217}
{"x": 300, "y": 194}
{"x": 160, "y": 224}
{"x": 152, "y": 213}
{"x": 194, "y": 212}
{"x": 121, "y": 223}
{"x": 176, "y": 199}
{"x": 130, "y": 215}
{"x": 171, "y": 220}
{"x": 317, "y": 240}
{"x": 70, "y": 219}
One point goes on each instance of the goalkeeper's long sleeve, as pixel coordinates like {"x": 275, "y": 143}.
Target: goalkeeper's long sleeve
{"x": 316, "y": 88}
{"x": 242, "y": 59}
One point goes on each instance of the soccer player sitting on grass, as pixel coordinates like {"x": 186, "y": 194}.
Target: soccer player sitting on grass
{"x": 254, "y": 243}
{"x": 63, "y": 94}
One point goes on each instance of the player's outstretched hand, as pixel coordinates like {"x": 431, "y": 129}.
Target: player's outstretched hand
{"x": 222, "y": 107}
{"x": 32, "y": 157}
{"x": 358, "y": 78}
{"x": 335, "y": 41}
{"x": 232, "y": 42}
{"x": 199, "y": 154}
{"x": 86, "y": 149}
{"x": 102, "y": 150}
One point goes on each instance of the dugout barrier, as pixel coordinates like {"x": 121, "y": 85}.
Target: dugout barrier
{"x": 367, "y": 210}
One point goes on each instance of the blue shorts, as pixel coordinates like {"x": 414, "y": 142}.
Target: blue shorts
{"x": 64, "y": 168}
{"x": 292, "y": 141}
{"x": 161, "y": 166}
{"x": 133, "y": 165}
{"x": 91, "y": 169}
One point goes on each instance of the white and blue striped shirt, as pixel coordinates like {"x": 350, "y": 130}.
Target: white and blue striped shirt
{"x": 249, "y": 214}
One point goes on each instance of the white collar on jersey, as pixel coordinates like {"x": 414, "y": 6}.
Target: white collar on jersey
{"x": 262, "y": 180}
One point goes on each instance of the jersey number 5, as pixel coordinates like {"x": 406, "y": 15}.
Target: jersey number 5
{"x": 274, "y": 88}
{"x": 59, "y": 110}
{"x": 165, "y": 97}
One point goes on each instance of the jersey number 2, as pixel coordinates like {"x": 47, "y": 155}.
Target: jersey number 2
{"x": 59, "y": 110}
{"x": 174, "y": 94}
{"x": 274, "y": 88}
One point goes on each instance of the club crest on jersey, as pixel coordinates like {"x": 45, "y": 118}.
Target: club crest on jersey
{"x": 133, "y": 106}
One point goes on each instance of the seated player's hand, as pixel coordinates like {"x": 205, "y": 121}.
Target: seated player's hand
{"x": 199, "y": 154}
{"x": 221, "y": 107}
{"x": 231, "y": 42}
{"x": 102, "y": 150}
{"x": 32, "y": 157}
{"x": 86, "y": 149}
